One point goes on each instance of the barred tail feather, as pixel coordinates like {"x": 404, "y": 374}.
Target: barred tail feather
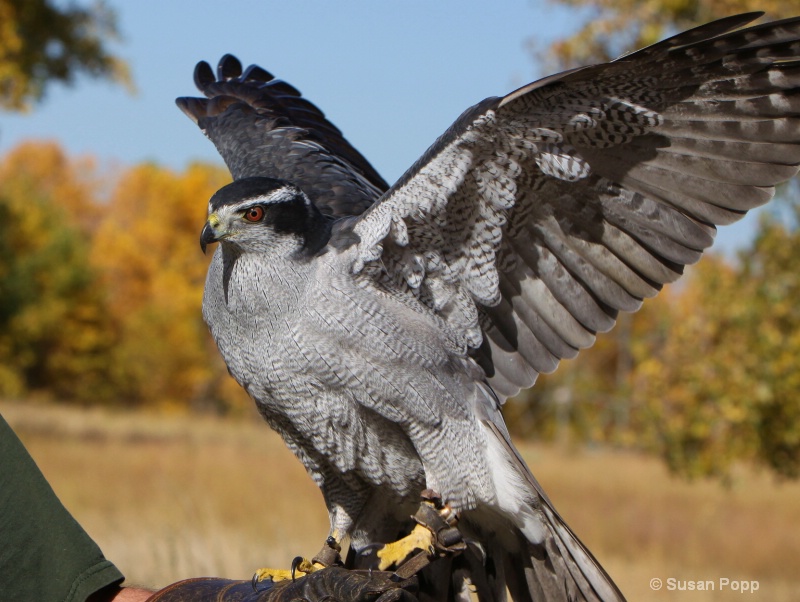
{"x": 530, "y": 550}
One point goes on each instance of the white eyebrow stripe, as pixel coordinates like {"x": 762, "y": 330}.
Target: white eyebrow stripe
{"x": 280, "y": 195}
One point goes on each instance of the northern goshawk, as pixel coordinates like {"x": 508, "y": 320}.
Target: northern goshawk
{"x": 379, "y": 329}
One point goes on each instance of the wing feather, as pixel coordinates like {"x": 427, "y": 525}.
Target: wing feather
{"x": 262, "y": 126}
{"x": 528, "y": 338}
{"x": 573, "y": 198}
{"x": 604, "y": 275}
{"x": 569, "y": 289}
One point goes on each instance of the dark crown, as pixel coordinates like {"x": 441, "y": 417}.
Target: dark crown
{"x": 247, "y": 188}
{"x": 294, "y": 214}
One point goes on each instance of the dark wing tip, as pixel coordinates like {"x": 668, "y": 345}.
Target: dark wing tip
{"x": 193, "y": 108}
{"x": 254, "y": 73}
{"x": 694, "y": 35}
{"x": 203, "y": 76}
{"x": 711, "y": 29}
{"x": 282, "y": 87}
{"x": 286, "y": 114}
{"x": 229, "y": 67}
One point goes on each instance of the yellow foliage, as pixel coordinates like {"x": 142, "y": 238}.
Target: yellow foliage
{"x": 153, "y": 272}
{"x": 51, "y": 320}
{"x": 705, "y": 375}
{"x": 620, "y": 26}
{"x": 71, "y": 184}
{"x": 41, "y": 41}
{"x": 101, "y": 299}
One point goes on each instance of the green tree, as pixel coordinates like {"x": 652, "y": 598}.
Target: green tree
{"x": 42, "y": 41}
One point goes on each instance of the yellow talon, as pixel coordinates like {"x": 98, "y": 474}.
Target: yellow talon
{"x": 305, "y": 566}
{"x": 299, "y": 565}
{"x": 271, "y": 574}
{"x": 394, "y": 553}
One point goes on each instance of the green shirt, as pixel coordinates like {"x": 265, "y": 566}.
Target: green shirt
{"x": 45, "y": 555}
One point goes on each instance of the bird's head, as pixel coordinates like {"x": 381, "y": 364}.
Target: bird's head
{"x": 263, "y": 214}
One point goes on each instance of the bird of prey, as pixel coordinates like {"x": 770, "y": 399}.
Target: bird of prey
{"x": 380, "y": 328}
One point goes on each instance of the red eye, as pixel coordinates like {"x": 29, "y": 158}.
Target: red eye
{"x": 254, "y": 214}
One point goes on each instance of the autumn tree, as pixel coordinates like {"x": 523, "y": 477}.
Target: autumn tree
{"x": 42, "y": 41}
{"x": 706, "y": 374}
{"x": 613, "y": 27}
{"x": 101, "y": 288}
{"x": 153, "y": 272}
{"x": 53, "y": 325}
{"x": 723, "y": 384}
{"x": 588, "y": 399}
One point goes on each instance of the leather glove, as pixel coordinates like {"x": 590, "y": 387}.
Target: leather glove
{"x": 332, "y": 584}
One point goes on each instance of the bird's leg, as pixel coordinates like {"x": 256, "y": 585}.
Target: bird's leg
{"x": 327, "y": 556}
{"x": 434, "y": 534}
{"x": 341, "y": 508}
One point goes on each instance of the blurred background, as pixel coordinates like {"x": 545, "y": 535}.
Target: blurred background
{"x": 672, "y": 447}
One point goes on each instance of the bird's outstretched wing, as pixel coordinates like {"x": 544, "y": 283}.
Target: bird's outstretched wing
{"x": 538, "y": 216}
{"x": 262, "y": 126}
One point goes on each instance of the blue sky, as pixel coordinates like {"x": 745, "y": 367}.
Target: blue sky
{"x": 391, "y": 74}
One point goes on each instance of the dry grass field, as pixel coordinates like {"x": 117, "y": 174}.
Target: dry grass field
{"x": 169, "y": 497}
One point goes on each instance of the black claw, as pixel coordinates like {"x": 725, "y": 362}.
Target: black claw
{"x": 295, "y": 563}
{"x": 265, "y": 584}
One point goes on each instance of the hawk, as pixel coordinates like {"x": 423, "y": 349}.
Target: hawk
{"x": 380, "y": 328}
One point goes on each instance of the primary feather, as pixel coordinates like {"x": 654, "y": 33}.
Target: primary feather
{"x": 379, "y": 329}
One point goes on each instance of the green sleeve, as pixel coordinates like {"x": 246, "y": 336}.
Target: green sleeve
{"x": 44, "y": 553}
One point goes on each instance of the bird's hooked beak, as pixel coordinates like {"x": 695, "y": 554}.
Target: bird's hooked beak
{"x": 209, "y": 233}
